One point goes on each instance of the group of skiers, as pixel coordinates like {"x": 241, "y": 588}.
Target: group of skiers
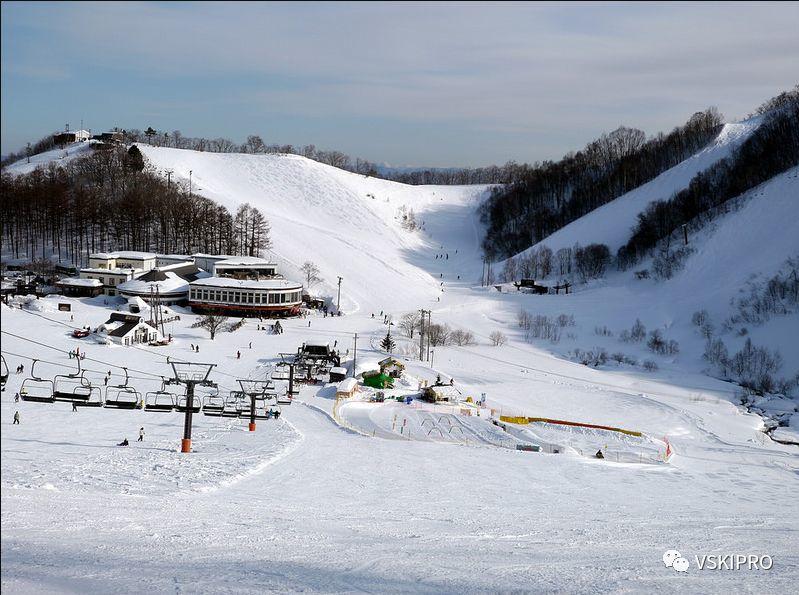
{"x": 141, "y": 438}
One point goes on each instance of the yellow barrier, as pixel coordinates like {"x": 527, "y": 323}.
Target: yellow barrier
{"x": 513, "y": 420}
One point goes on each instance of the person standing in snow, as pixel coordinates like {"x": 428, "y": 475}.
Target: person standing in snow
{"x": 74, "y": 407}
{"x": 250, "y": 344}
{"x": 141, "y": 434}
{"x": 16, "y": 398}
{"x": 16, "y": 418}
{"x": 238, "y": 355}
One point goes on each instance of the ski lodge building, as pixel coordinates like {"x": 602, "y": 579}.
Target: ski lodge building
{"x": 244, "y": 286}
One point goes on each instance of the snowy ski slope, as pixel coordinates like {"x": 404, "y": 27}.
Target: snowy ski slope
{"x": 328, "y": 216}
{"x": 305, "y": 504}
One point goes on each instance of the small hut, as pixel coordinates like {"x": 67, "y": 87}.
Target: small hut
{"x": 347, "y": 388}
{"x": 337, "y": 374}
{"x": 438, "y": 393}
{"x": 392, "y": 367}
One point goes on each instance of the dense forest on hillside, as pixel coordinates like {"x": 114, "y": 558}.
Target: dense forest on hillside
{"x": 772, "y": 149}
{"x": 552, "y": 194}
{"x": 107, "y": 201}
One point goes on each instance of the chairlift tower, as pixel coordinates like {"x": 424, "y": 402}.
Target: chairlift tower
{"x": 254, "y": 389}
{"x": 190, "y": 374}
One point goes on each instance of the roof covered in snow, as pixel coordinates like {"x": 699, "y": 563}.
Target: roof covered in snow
{"x": 78, "y": 282}
{"x": 133, "y": 255}
{"x": 165, "y": 282}
{"x": 245, "y": 261}
{"x": 347, "y": 385}
{"x": 246, "y": 283}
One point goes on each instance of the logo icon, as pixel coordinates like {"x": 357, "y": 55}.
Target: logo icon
{"x": 673, "y": 559}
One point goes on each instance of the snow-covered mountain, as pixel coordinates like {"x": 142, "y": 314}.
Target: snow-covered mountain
{"x": 359, "y": 495}
{"x": 330, "y": 216}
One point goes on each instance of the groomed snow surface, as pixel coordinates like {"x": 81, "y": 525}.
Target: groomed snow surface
{"x": 330, "y": 499}
{"x": 302, "y": 504}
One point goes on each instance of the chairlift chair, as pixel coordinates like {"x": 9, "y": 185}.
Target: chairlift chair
{"x": 35, "y": 389}
{"x": 213, "y": 405}
{"x": 281, "y": 371}
{"x": 66, "y": 385}
{"x": 88, "y": 396}
{"x": 200, "y": 394}
{"x": 182, "y": 404}
{"x": 3, "y": 373}
{"x": 262, "y": 410}
{"x": 232, "y": 406}
{"x": 159, "y": 400}
{"x": 122, "y": 396}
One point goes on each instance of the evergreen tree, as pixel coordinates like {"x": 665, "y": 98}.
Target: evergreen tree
{"x": 388, "y": 343}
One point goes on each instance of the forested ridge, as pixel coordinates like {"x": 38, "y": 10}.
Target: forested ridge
{"x": 109, "y": 201}
{"x": 552, "y": 194}
{"x": 771, "y": 149}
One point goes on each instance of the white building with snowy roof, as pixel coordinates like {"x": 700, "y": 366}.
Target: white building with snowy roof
{"x": 126, "y": 259}
{"x": 246, "y": 297}
{"x": 129, "y": 329}
{"x": 170, "y": 283}
{"x": 77, "y": 287}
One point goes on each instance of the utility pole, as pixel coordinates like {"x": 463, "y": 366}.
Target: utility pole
{"x": 253, "y": 389}
{"x": 355, "y": 357}
{"x": 421, "y": 335}
{"x": 338, "y": 300}
{"x": 168, "y": 177}
{"x": 429, "y": 324}
{"x": 191, "y": 374}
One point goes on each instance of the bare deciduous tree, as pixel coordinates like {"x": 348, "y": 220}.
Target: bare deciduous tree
{"x": 213, "y": 323}
{"x": 497, "y": 338}
{"x": 311, "y": 272}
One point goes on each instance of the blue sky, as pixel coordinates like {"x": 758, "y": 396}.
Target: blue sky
{"x": 455, "y": 84}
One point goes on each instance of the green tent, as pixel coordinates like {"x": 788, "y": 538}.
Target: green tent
{"x": 378, "y": 380}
